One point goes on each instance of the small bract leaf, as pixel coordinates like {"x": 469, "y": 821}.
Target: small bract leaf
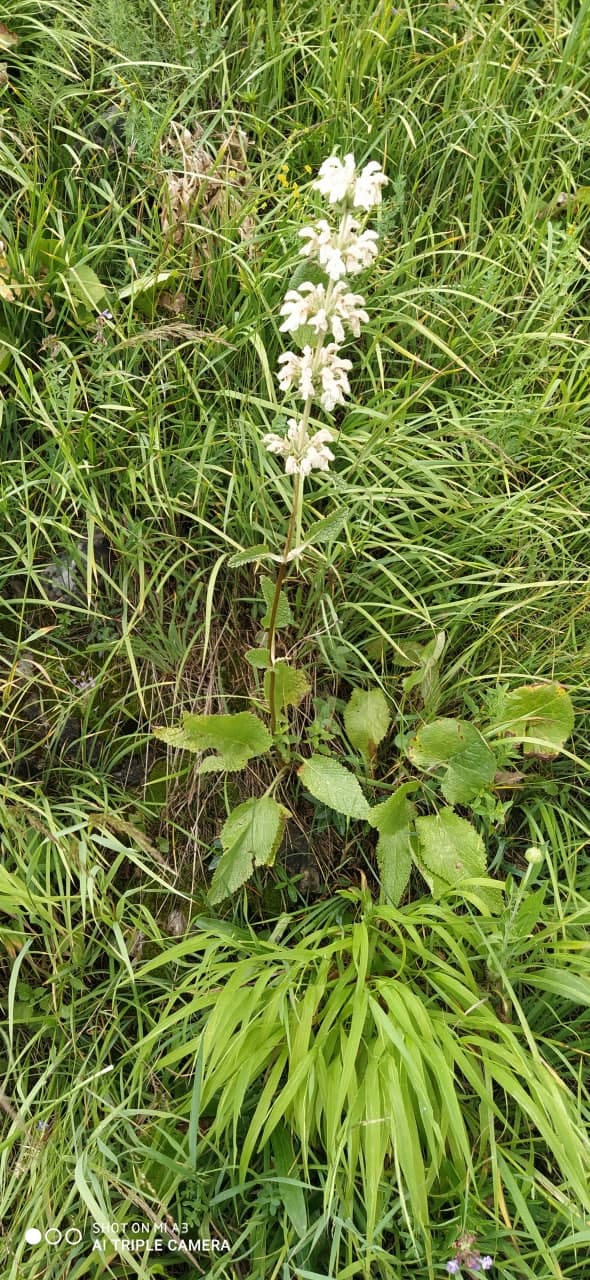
{"x": 258, "y": 658}
{"x": 366, "y": 720}
{"x": 246, "y": 557}
{"x": 452, "y": 851}
{"x": 236, "y": 739}
{"x": 427, "y": 659}
{"x": 250, "y": 838}
{"x": 333, "y": 784}
{"x": 458, "y": 745}
{"x": 307, "y": 271}
{"x": 284, "y": 616}
{"x": 291, "y": 685}
{"x": 542, "y": 712}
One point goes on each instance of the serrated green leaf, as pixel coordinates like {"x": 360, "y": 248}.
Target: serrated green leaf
{"x": 305, "y": 271}
{"x": 327, "y": 528}
{"x": 235, "y": 739}
{"x": 394, "y": 812}
{"x": 458, "y": 745}
{"x": 291, "y": 685}
{"x": 246, "y": 557}
{"x": 334, "y": 785}
{"x": 284, "y": 616}
{"x": 250, "y": 838}
{"x": 394, "y": 859}
{"x": 394, "y": 820}
{"x": 451, "y": 851}
{"x": 366, "y": 720}
{"x": 258, "y": 658}
{"x": 542, "y": 712}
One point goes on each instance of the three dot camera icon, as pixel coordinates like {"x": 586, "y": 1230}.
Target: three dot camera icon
{"x": 53, "y": 1236}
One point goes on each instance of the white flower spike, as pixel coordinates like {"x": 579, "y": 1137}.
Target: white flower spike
{"x": 326, "y": 311}
{"x": 302, "y": 453}
{"x": 342, "y": 252}
{"x": 319, "y": 372}
{"x": 335, "y": 178}
{"x": 338, "y": 180}
{"x": 367, "y": 188}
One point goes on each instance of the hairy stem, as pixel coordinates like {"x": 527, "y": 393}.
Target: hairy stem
{"x": 295, "y": 520}
{"x": 294, "y": 532}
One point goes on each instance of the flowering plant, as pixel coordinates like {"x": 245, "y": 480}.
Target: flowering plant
{"x": 320, "y": 315}
{"x": 319, "y": 372}
{"x": 312, "y": 312}
{"x": 465, "y": 761}
{"x": 467, "y": 1256}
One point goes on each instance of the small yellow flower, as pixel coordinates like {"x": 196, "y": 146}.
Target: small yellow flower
{"x": 295, "y": 191}
{"x": 308, "y": 168}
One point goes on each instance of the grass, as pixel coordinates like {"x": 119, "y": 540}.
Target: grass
{"x": 132, "y": 469}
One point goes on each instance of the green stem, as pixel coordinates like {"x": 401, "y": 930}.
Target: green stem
{"x": 294, "y": 521}
{"x": 294, "y": 532}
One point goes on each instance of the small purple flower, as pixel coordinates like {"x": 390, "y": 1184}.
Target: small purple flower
{"x": 487, "y": 1262}
{"x": 101, "y": 320}
{"x": 452, "y": 1266}
{"x": 84, "y": 683}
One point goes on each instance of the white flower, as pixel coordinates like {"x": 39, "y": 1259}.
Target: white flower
{"x": 305, "y": 305}
{"x": 338, "y": 181}
{"x": 340, "y": 252}
{"x": 367, "y": 186}
{"x": 297, "y": 370}
{"x": 324, "y": 310}
{"x": 323, "y": 244}
{"x": 316, "y": 373}
{"x": 335, "y": 178}
{"x": 346, "y": 308}
{"x": 333, "y": 375}
{"x": 295, "y": 309}
{"x": 302, "y": 453}
{"x": 360, "y": 251}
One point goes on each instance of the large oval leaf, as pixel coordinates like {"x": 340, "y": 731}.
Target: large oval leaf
{"x": 335, "y": 786}
{"x": 366, "y": 719}
{"x": 250, "y": 838}
{"x": 235, "y": 739}
{"x": 451, "y": 851}
{"x": 458, "y": 745}
{"x": 541, "y": 716}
